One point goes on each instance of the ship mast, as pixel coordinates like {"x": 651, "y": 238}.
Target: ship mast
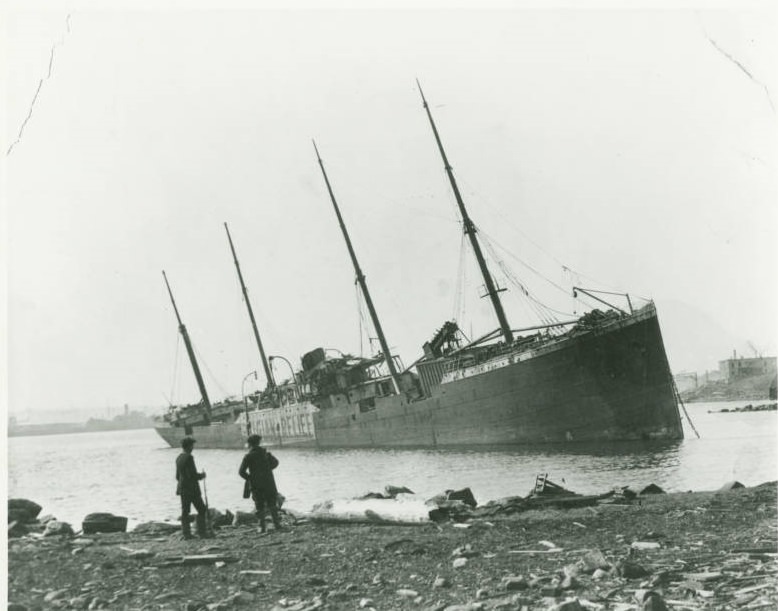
{"x": 361, "y": 281}
{"x": 268, "y": 373}
{"x": 190, "y": 351}
{"x": 470, "y": 230}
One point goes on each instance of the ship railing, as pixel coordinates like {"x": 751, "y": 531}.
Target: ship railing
{"x": 462, "y": 367}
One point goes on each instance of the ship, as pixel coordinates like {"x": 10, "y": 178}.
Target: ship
{"x": 602, "y": 376}
{"x": 214, "y": 426}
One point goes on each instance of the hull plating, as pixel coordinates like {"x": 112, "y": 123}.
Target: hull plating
{"x": 613, "y": 384}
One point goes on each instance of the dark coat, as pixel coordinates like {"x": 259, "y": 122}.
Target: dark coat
{"x": 187, "y": 476}
{"x": 257, "y": 468}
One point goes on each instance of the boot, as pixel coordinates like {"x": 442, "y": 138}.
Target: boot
{"x": 186, "y": 528}
{"x": 276, "y": 519}
{"x": 262, "y": 524}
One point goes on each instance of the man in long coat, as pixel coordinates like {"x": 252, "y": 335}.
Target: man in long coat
{"x": 257, "y": 469}
{"x": 188, "y": 488}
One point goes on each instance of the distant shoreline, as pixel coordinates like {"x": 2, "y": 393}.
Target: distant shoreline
{"x": 64, "y": 428}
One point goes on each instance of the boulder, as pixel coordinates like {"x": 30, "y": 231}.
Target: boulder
{"x": 103, "y": 523}
{"x": 156, "y": 528}
{"x": 371, "y": 495}
{"x": 652, "y": 489}
{"x": 393, "y": 491}
{"x": 450, "y": 510}
{"x": 219, "y": 519}
{"x": 508, "y": 505}
{"x": 55, "y": 528}
{"x": 465, "y": 495}
{"x": 22, "y": 510}
{"x": 17, "y": 529}
{"x": 244, "y": 518}
{"x": 624, "y": 493}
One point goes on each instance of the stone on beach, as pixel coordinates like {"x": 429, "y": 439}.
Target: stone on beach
{"x": 737, "y": 574}
{"x": 219, "y": 519}
{"x": 514, "y": 582}
{"x": 103, "y": 523}
{"x": 242, "y": 518}
{"x": 155, "y": 528}
{"x": 17, "y": 529}
{"x": 631, "y": 570}
{"x": 22, "y": 510}
{"x": 593, "y": 560}
{"x": 392, "y": 491}
{"x": 55, "y": 528}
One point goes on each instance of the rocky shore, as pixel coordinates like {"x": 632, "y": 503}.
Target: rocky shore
{"x": 686, "y": 551}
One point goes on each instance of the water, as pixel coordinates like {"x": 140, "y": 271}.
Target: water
{"x": 132, "y": 473}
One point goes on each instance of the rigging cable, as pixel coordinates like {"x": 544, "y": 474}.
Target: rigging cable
{"x": 175, "y": 369}
{"x": 487, "y": 240}
{"x": 223, "y": 391}
{"x": 683, "y": 407}
{"x": 459, "y": 302}
{"x": 506, "y": 220}
{"x": 542, "y": 311}
{"x": 364, "y": 330}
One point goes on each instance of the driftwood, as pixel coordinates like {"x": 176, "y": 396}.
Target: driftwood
{"x": 194, "y": 560}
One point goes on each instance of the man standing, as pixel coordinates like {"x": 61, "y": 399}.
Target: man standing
{"x": 257, "y": 469}
{"x": 189, "y": 489}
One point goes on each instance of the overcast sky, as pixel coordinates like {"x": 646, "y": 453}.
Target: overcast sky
{"x": 630, "y": 150}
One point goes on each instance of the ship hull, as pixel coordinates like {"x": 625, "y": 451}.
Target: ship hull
{"x": 223, "y": 436}
{"x": 287, "y": 426}
{"x": 608, "y": 384}
{"x": 611, "y": 384}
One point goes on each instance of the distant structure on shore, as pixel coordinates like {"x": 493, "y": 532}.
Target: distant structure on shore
{"x": 737, "y": 378}
{"x": 125, "y": 421}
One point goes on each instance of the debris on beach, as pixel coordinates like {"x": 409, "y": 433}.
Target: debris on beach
{"x": 679, "y": 551}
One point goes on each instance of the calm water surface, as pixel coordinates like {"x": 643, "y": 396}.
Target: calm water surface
{"x": 132, "y": 473}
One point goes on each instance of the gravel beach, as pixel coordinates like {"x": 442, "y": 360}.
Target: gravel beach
{"x": 694, "y": 550}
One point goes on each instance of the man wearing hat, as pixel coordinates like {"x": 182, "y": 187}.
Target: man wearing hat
{"x": 189, "y": 489}
{"x": 257, "y": 469}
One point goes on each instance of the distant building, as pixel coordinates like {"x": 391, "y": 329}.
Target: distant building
{"x": 710, "y": 376}
{"x": 739, "y": 368}
{"x": 686, "y": 381}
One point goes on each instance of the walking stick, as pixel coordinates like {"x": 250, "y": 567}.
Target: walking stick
{"x": 208, "y": 527}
